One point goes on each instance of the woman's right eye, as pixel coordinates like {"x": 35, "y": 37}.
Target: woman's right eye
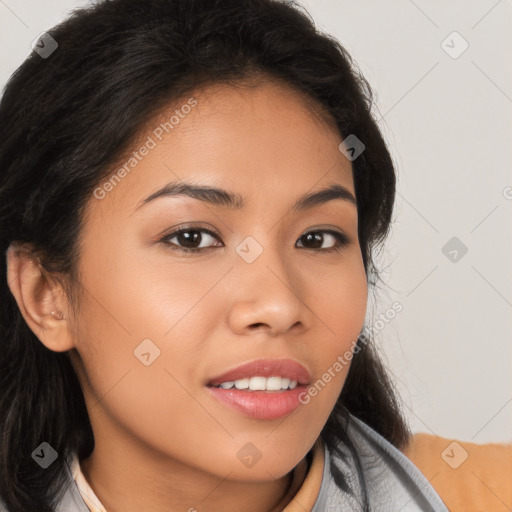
{"x": 186, "y": 237}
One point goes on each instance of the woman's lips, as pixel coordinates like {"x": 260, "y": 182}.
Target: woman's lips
{"x": 262, "y": 404}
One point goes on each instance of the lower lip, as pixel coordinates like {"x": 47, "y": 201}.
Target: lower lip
{"x": 262, "y": 405}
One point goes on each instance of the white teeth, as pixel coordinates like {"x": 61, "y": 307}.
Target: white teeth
{"x": 242, "y": 384}
{"x": 273, "y": 384}
{"x": 261, "y": 384}
{"x": 257, "y": 383}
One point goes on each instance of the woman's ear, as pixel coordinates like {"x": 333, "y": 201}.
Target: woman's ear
{"x": 41, "y": 301}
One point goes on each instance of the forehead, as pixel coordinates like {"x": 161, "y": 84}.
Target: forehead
{"x": 258, "y": 138}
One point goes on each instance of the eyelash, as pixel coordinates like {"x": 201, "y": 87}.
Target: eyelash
{"x": 342, "y": 240}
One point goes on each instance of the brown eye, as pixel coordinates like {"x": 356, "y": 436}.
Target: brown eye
{"x": 189, "y": 239}
{"x": 316, "y": 239}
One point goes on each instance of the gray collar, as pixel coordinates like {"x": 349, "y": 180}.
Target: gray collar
{"x": 394, "y": 483}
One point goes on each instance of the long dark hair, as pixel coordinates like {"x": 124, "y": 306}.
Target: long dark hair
{"x": 67, "y": 117}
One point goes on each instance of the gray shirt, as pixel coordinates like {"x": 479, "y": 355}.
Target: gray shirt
{"x": 393, "y": 483}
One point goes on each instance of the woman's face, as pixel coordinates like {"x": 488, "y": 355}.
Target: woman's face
{"x": 157, "y": 324}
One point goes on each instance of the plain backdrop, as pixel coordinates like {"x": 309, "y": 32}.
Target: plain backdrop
{"x": 442, "y": 80}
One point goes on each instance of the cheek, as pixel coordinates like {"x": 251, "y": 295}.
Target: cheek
{"x": 340, "y": 303}
{"x": 144, "y": 386}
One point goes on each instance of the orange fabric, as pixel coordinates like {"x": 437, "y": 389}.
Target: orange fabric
{"x": 469, "y": 477}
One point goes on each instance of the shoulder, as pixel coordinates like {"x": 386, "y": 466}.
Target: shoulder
{"x": 466, "y": 475}
{"x": 392, "y": 481}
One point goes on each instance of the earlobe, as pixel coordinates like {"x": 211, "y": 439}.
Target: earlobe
{"x": 40, "y": 300}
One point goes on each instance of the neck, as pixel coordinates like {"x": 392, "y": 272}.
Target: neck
{"x": 135, "y": 480}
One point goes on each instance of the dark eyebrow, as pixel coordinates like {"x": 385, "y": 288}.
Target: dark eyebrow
{"x": 220, "y": 197}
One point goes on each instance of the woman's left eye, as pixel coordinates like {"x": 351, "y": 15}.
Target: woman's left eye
{"x": 187, "y": 238}
{"x": 340, "y": 239}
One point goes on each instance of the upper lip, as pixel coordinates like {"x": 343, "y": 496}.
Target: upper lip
{"x": 286, "y": 368}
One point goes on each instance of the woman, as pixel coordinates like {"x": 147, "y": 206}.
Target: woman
{"x": 191, "y": 194}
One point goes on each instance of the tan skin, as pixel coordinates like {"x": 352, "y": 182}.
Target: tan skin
{"x": 161, "y": 442}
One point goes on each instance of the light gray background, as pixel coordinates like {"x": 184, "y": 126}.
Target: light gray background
{"x": 448, "y": 123}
